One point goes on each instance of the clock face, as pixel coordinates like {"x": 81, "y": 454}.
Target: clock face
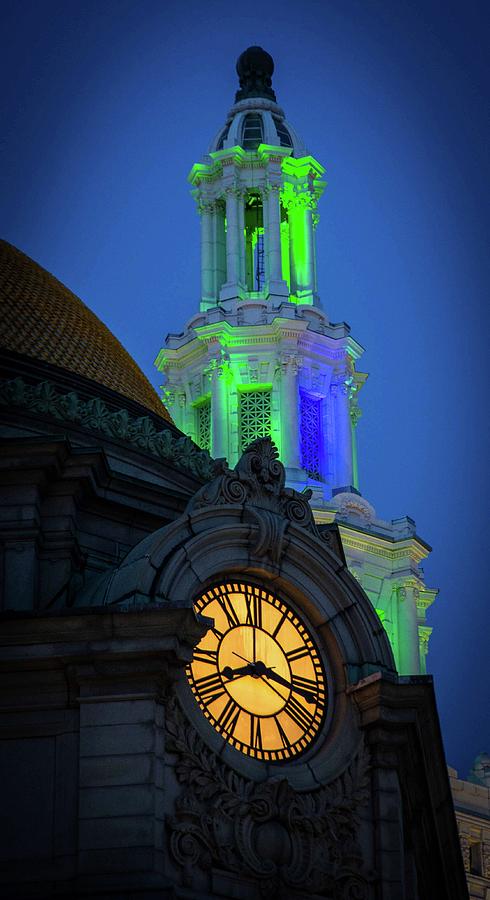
{"x": 257, "y": 674}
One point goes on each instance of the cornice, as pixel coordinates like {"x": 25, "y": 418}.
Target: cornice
{"x": 95, "y": 415}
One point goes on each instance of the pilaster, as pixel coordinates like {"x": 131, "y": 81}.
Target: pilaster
{"x": 290, "y": 364}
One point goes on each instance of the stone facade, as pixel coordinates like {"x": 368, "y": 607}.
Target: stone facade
{"x": 472, "y": 805}
{"x": 134, "y": 794}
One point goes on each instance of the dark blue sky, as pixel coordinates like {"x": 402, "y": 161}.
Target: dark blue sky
{"x": 107, "y": 104}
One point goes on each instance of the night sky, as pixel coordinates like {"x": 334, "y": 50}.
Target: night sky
{"x": 105, "y": 107}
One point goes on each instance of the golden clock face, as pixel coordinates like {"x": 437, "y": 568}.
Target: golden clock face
{"x": 257, "y": 674}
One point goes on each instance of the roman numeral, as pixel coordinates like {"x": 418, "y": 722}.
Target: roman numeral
{"x": 205, "y": 656}
{"x": 255, "y": 733}
{"x": 254, "y": 610}
{"x": 229, "y": 611}
{"x": 305, "y": 684}
{"x": 210, "y": 688}
{"x": 298, "y": 653}
{"x": 228, "y": 717}
{"x": 296, "y": 712}
{"x": 279, "y": 625}
{"x": 282, "y": 734}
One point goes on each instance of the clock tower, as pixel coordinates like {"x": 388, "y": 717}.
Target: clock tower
{"x": 262, "y": 358}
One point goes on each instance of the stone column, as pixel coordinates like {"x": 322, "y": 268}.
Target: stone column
{"x": 340, "y": 393}
{"x": 408, "y": 632}
{"x": 242, "y": 276}
{"x": 208, "y": 296}
{"x": 274, "y": 224}
{"x": 355, "y": 415}
{"x": 218, "y": 374}
{"x": 301, "y": 247}
{"x": 230, "y": 288}
{"x": 289, "y": 399}
{"x": 219, "y": 245}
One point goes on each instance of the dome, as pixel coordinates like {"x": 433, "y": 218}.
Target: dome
{"x": 40, "y": 318}
{"x": 255, "y": 68}
{"x": 256, "y": 118}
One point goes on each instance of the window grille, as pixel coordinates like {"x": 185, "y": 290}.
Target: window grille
{"x": 255, "y": 416}
{"x": 204, "y": 425}
{"x": 310, "y": 409}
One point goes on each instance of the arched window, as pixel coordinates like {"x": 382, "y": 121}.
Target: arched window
{"x": 252, "y": 131}
{"x": 282, "y": 132}
{"x": 222, "y": 137}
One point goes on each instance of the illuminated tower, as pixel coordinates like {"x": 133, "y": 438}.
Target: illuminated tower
{"x": 262, "y": 358}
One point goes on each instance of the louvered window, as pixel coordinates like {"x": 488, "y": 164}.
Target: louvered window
{"x": 252, "y": 131}
{"x": 310, "y": 410}
{"x": 255, "y": 416}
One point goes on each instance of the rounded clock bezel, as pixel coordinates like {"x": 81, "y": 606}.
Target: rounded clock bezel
{"x": 282, "y": 597}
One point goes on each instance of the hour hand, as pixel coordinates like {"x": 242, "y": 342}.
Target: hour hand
{"x": 230, "y": 673}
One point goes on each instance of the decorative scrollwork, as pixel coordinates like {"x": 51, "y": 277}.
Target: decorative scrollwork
{"x": 258, "y": 481}
{"x": 283, "y": 839}
{"x": 95, "y": 415}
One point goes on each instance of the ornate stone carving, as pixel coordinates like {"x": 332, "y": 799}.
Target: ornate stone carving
{"x": 465, "y": 849}
{"x": 259, "y": 482}
{"x": 285, "y": 840}
{"x": 95, "y": 415}
{"x": 353, "y": 506}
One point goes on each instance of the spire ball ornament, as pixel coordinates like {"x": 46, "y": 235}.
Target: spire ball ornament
{"x": 255, "y": 68}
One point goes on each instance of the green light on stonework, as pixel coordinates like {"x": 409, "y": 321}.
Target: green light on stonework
{"x": 300, "y": 249}
{"x": 381, "y": 614}
{"x": 286, "y": 273}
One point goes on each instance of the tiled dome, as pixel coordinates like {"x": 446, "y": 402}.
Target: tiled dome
{"x": 42, "y": 319}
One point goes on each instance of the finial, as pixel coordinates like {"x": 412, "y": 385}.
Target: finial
{"x": 255, "y": 67}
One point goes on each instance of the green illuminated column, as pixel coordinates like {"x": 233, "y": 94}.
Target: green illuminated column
{"x": 340, "y": 393}
{"x": 290, "y": 365}
{"x": 301, "y": 247}
{"x": 208, "y": 296}
{"x": 408, "y": 634}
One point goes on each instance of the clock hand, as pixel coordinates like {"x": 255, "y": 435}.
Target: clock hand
{"x": 308, "y": 696}
{"x": 230, "y": 673}
{"x": 249, "y": 661}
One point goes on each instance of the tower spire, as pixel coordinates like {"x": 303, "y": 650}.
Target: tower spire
{"x": 255, "y": 68}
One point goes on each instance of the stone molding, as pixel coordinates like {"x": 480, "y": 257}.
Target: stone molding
{"x": 95, "y": 415}
{"x": 283, "y": 839}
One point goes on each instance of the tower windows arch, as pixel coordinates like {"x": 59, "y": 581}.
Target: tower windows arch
{"x": 252, "y": 131}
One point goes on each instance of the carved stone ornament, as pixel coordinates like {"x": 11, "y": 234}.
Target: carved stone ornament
{"x": 95, "y": 415}
{"x": 353, "y": 506}
{"x": 258, "y": 481}
{"x": 290, "y": 843}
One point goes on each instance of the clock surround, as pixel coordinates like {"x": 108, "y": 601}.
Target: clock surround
{"x": 257, "y": 674}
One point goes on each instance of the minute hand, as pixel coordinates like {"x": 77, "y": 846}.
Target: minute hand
{"x": 309, "y": 697}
